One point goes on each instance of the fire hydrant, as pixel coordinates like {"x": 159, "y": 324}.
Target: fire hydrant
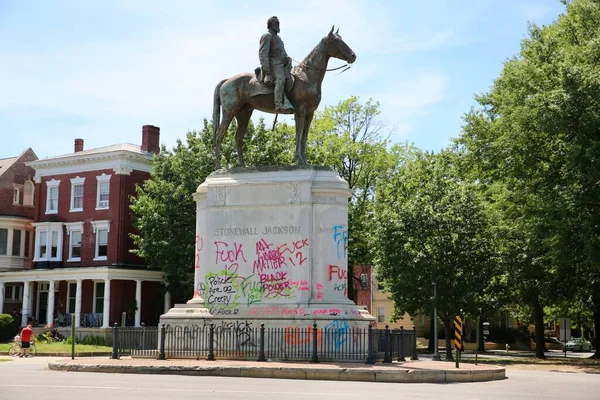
{"x": 507, "y": 347}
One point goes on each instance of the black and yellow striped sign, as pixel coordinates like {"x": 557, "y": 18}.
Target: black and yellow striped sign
{"x": 458, "y": 329}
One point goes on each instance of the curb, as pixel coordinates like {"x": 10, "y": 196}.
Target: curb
{"x": 331, "y": 374}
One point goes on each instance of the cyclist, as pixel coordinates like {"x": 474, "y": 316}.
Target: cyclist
{"x": 26, "y": 336}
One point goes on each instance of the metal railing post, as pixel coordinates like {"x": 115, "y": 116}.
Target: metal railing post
{"x": 414, "y": 355}
{"x": 161, "y": 349}
{"x": 387, "y": 357}
{"x": 261, "y": 350}
{"x": 211, "y": 343}
{"x": 370, "y": 358}
{"x": 315, "y": 357}
{"x": 401, "y": 352}
{"x": 115, "y": 349}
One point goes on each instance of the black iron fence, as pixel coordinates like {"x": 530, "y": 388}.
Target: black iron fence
{"x": 238, "y": 340}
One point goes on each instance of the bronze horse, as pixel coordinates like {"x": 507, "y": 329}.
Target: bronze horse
{"x": 241, "y": 94}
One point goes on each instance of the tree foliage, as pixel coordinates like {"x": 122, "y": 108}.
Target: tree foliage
{"x": 536, "y": 135}
{"x": 432, "y": 227}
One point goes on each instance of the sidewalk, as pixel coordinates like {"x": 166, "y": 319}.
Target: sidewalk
{"x": 419, "y": 371}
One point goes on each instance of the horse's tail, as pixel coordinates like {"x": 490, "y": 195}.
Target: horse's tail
{"x": 217, "y": 110}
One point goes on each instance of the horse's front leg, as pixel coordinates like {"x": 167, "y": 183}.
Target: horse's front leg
{"x": 300, "y": 116}
{"x": 305, "y": 129}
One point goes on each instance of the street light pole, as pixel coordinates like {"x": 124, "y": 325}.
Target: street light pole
{"x": 436, "y": 356}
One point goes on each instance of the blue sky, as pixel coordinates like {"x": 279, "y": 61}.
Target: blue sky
{"x": 99, "y": 70}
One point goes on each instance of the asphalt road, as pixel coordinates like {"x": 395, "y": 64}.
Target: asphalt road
{"x": 30, "y": 379}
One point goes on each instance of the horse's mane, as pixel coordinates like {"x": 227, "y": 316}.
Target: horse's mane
{"x": 318, "y": 51}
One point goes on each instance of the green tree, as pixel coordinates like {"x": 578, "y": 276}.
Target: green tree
{"x": 536, "y": 134}
{"x": 432, "y": 227}
{"x": 347, "y": 137}
{"x": 165, "y": 213}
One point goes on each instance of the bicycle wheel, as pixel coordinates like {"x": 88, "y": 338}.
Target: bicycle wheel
{"x": 32, "y": 349}
{"x": 14, "y": 350}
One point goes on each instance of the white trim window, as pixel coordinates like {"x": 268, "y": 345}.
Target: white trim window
{"x": 380, "y": 314}
{"x": 98, "y": 297}
{"x": 48, "y": 241}
{"x": 103, "y": 192}
{"x": 3, "y": 242}
{"x": 13, "y": 292}
{"x": 75, "y": 231}
{"x": 71, "y": 296}
{"x": 17, "y": 196}
{"x": 52, "y": 196}
{"x": 28, "y": 189}
{"x": 101, "y": 229}
{"x": 77, "y": 194}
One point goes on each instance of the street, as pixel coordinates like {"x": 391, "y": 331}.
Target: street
{"x": 30, "y": 378}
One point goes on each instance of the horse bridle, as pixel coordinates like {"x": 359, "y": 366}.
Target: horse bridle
{"x": 302, "y": 65}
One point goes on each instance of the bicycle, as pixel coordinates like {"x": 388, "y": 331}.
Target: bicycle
{"x": 15, "y": 349}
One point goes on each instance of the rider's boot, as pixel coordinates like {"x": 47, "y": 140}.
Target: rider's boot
{"x": 282, "y": 104}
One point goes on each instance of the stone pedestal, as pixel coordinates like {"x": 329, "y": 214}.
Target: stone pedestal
{"x": 271, "y": 247}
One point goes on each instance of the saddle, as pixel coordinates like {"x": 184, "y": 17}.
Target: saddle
{"x": 257, "y": 86}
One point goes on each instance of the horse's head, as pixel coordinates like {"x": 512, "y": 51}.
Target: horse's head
{"x": 336, "y": 47}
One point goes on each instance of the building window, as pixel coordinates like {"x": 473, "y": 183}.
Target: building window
{"x": 101, "y": 229}
{"x": 52, "y": 200}
{"x": 13, "y": 293}
{"x": 3, "y": 242}
{"x": 103, "y": 191}
{"x": 74, "y": 230}
{"x": 98, "y": 297}
{"x": 17, "y": 196}
{"x": 28, "y": 193}
{"x": 16, "y": 243}
{"x": 380, "y": 314}
{"x": 77, "y": 194}
{"x": 49, "y": 240}
{"x": 26, "y": 246}
{"x": 72, "y": 296}
{"x": 43, "y": 245}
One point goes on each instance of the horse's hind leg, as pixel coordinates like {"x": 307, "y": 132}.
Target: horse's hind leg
{"x": 243, "y": 118}
{"x": 227, "y": 117}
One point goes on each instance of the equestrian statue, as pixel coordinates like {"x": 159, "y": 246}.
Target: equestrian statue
{"x": 276, "y": 88}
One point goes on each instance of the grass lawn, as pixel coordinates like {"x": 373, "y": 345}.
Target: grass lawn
{"x": 59, "y": 347}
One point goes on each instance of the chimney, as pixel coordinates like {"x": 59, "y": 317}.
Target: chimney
{"x": 78, "y": 145}
{"x": 151, "y": 138}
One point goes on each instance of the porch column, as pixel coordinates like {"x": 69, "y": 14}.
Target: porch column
{"x": 50, "y": 312}
{"x": 27, "y": 303}
{"x": 26, "y": 306}
{"x": 167, "y": 306}
{"x": 1, "y": 297}
{"x": 106, "y": 311}
{"x": 78, "y": 304}
{"x": 138, "y": 301}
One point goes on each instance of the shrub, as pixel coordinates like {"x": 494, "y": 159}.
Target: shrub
{"x": 94, "y": 340}
{"x": 8, "y": 327}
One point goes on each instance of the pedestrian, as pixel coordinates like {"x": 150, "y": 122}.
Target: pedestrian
{"x": 26, "y": 339}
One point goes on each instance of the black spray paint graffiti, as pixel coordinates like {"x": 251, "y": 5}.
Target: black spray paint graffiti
{"x": 237, "y": 333}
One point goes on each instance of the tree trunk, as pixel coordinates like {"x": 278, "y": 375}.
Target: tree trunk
{"x": 596, "y": 301}
{"x": 449, "y": 335}
{"x": 538, "y": 312}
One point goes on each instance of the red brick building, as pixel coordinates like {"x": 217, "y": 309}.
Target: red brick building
{"x": 82, "y": 260}
{"x": 16, "y": 216}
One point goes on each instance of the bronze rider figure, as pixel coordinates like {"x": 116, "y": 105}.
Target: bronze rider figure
{"x": 276, "y": 66}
